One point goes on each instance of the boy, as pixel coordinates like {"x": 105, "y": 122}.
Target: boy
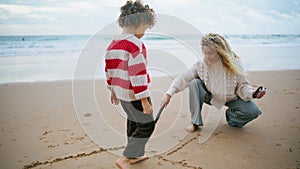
{"x": 128, "y": 80}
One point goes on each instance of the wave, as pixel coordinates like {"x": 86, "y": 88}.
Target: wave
{"x": 53, "y": 44}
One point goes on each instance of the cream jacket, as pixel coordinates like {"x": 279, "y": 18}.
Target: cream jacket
{"x": 236, "y": 85}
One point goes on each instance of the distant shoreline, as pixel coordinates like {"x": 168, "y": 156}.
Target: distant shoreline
{"x": 60, "y": 81}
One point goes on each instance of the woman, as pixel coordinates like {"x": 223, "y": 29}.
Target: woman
{"x": 218, "y": 80}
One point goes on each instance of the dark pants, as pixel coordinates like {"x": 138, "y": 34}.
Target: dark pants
{"x": 140, "y": 126}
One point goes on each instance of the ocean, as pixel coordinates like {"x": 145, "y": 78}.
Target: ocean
{"x": 54, "y": 58}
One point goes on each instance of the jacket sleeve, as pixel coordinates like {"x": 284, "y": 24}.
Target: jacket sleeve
{"x": 183, "y": 80}
{"x": 244, "y": 90}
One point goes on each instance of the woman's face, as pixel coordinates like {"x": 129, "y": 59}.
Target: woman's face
{"x": 210, "y": 54}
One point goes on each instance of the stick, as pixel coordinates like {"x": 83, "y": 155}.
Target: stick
{"x": 159, "y": 113}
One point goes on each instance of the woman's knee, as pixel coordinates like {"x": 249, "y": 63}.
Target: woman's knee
{"x": 255, "y": 113}
{"x": 237, "y": 118}
{"x": 248, "y": 108}
{"x": 253, "y": 110}
{"x": 252, "y": 113}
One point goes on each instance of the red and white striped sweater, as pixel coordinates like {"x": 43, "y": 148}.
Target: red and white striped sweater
{"x": 125, "y": 68}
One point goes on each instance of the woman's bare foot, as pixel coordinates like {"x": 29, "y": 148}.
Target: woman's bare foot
{"x": 191, "y": 128}
{"x": 123, "y": 163}
{"x": 137, "y": 160}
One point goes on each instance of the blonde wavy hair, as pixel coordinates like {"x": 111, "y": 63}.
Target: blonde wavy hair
{"x": 228, "y": 57}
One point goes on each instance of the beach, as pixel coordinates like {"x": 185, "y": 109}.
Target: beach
{"x": 40, "y": 128}
{"x": 56, "y": 110}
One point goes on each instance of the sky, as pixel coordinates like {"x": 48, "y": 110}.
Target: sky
{"x": 56, "y": 17}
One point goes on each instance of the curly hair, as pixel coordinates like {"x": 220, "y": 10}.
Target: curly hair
{"x": 135, "y": 13}
{"x": 227, "y": 56}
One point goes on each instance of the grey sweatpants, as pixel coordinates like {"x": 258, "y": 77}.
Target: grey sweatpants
{"x": 238, "y": 114}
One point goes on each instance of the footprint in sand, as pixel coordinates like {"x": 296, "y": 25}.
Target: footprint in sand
{"x": 88, "y": 115}
{"x": 276, "y": 144}
{"x": 52, "y": 146}
{"x": 56, "y": 138}
{"x": 289, "y": 93}
{"x": 47, "y": 132}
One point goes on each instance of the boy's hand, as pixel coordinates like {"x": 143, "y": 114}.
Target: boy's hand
{"x": 166, "y": 100}
{"x": 113, "y": 98}
{"x": 146, "y": 106}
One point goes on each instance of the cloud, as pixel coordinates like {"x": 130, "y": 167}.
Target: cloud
{"x": 16, "y": 9}
{"x": 4, "y": 15}
{"x": 28, "y": 13}
{"x": 169, "y": 5}
{"x": 245, "y": 17}
{"x": 85, "y": 16}
{"x": 232, "y": 16}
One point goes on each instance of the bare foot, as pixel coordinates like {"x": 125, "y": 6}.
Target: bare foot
{"x": 137, "y": 160}
{"x": 123, "y": 163}
{"x": 191, "y": 128}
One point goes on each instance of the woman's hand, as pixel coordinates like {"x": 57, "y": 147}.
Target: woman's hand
{"x": 146, "y": 106}
{"x": 113, "y": 98}
{"x": 166, "y": 100}
{"x": 259, "y": 93}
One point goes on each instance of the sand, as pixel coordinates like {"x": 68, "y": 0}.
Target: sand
{"x": 39, "y": 128}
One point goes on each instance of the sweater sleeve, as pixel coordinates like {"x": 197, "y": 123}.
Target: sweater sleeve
{"x": 183, "y": 80}
{"x": 244, "y": 89}
{"x": 138, "y": 75}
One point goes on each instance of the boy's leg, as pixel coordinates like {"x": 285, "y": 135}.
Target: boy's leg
{"x": 131, "y": 127}
{"x": 136, "y": 143}
{"x": 141, "y": 128}
{"x": 240, "y": 112}
{"x": 198, "y": 95}
{"x": 131, "y": 124}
